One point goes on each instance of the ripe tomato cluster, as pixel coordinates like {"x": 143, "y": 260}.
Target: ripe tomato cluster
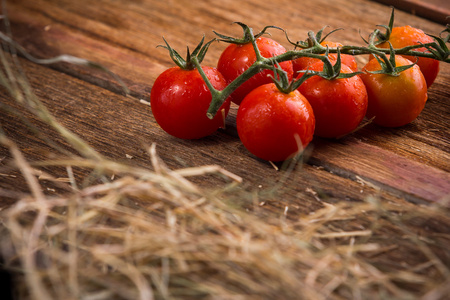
{"x": 282, "y": 105}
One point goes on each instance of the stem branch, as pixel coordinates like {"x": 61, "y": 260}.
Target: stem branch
{"x": 219, "y": 97}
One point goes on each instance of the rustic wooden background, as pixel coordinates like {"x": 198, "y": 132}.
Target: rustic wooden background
{"x": 435, "y": 10}
{"x": 404, "y": 164}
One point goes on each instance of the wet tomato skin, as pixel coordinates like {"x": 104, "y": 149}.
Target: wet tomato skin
{"x": 179, "y": 101}
{"x": 237, "y": 58}
{"x": 395, "y": 100}
{"x": 339, "y": 105}
{"x": 273, "y": 125}
{"x": 407, "y": 36}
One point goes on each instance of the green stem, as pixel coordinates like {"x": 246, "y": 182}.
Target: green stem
{"x": 259, "y": 57}
{"x": 219, "y": 97}
{"x": 354, "y": 51}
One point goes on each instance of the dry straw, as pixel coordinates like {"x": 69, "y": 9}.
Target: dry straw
{"x": 153, "y": 234}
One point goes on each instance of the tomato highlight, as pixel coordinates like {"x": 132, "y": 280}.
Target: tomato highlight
{"x": 406, "y": 36}
{"x": 394, "y": 101}
{"x": 273, "y": 125}
{"x": 180, "y": 99}
{"x": 339, "y": 104}
{"x": 279, "y": 113}
{"x": 237, "y": 58}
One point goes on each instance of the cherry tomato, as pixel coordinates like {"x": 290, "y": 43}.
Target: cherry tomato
{"x": 303, "y": 63}
{"x": 394, "y": 100}
{"x": 408, "y": 36}
{"x": 180, "y": 99}
{"x": 237, "y": 58}
{"x": 339, "y": 104}
{"x": 273, "y": 125}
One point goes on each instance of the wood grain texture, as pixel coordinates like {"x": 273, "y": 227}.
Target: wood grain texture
{"x": 125, "y": 37}
{"x": 96, "y": 123}
{"x": 435, "y": 10}
{"x": 410, "y": 163}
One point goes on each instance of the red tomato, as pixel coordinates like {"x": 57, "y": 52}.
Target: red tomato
{"x": 339, "y": 105}
{"x": 303, "y": 63}
{"x": 180, "y": 99}
{"x": 394, "y": 100}
{"x": 237, "y": 58}
{"x": 273, "y": 125}
{"x": 408, "y": 36}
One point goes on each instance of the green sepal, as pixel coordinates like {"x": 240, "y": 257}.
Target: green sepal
{"x": 296, "y": 83}
{"x": 331, "y": 72}
{"x": 360, "y": 35}
{"x": 187, "y": 64}
{"x": 435, "y": 52}
{"x": 447, "y": 30}
{"x": 398, "y": 70}
{"x": 384, "y": 37}
{"x": 348, "y": 75}
{"x": 319, "y": 37}
{"x": 313, "y": 39}
{"x": 280, "y": 79}
{"x": 440, "y": 51}
{"x": 442, "y": 44}
{"x": 391, "y": 20}
{"x": 390, "y": 68}
{"x": 247, "y": 37}
{"x": 336, "y": 73}
{"x": 299, "y": 44}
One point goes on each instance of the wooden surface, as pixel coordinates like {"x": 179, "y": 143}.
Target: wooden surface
{"x": 409, "y": 163}
{"x": 436, "y": 10}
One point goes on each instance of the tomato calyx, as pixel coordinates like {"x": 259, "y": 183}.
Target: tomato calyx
{"x": 389, "y": 67}
{"x": 384, "y": 37}
{"x": 282, "y": 82}
{"x": 312, "y": 40}
{"x": 442, "y": 52}
{"x": 436, "y": 50}
{"x": 330, "y": 72}
{"x": 193, "y": 61}
{"x": 310, "y": 47}
{"x": 447, "y": 30}
{"x": 198, "y": 54}
{"x": 248, "y": 36}
{"x": 261, "y": 63}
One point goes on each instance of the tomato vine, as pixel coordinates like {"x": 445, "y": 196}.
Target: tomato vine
{"x": 282, "y": 106}
{"x": 311, "y": 47}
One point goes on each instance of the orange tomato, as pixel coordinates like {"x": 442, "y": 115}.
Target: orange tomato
{"x": 407, "y": 36}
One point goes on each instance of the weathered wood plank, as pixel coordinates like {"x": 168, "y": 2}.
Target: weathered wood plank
{"x": 95, "y": 111}
{"x": 435, "y": 10}
{"x": 390, "y": 164}
{"x": 390, "y": 171}
{"x": 123, "y": 36}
